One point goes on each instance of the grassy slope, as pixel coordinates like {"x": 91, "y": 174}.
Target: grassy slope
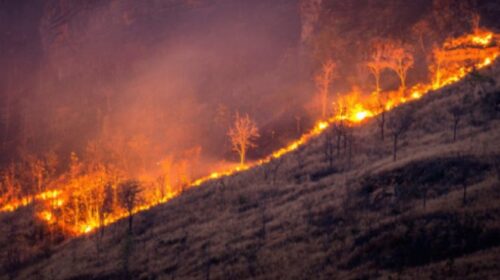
{"x": 308, "y": 222}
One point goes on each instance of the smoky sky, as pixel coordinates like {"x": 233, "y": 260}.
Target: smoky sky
{"x": 155, "y": 73}
{"x": 152, "y": 79}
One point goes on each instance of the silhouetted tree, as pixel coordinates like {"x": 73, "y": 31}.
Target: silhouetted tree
{"x": 457, "y": 112}
{"x": 464, "y": 179}
{"x": 106, "y": 208}
{"x": 399, "y": 123}
{"x": 128, "y": 197}
{"x": 298, "y": 123}
{"x": 349, "y": 136}
{"x": 424, "y": 194}
{"x": 125, "y": 256}
{"x": 207, "y": 260}
{"x": 329, "y": 147}
{"x": 272, "y": 169}
{"x": 381, "y": 117}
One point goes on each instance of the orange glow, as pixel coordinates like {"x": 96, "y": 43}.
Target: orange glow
{"x": 75, "y": 201}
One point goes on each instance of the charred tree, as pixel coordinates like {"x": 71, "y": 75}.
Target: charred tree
{"x": 329, "y": 148}
{"x": 349, "y": 135}
{"x": 399, "y": 123}
{"x": 128, "y": 198}
{"x": 457, "y": 112}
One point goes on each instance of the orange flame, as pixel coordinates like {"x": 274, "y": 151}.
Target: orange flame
{"x": 82, "y": 196}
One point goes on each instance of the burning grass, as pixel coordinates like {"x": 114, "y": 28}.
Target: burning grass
{"x": 88, "y": 195}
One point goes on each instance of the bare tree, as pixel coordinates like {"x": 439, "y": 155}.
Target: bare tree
{"x": 128, "y": 197}
{"x": 271, "y": 170}
{"x": 300, "y": 158}
{"x": 350, "y": 138}
{"x": 274, "y": 166}
{"x": 420, "y": 30}
{"x": 323, "y": 82}
{"x": 298, "y": 124}
{"x": 338, "y": 129}
{"x": 381, "y": 117}
{"x": 242, "y": 135}
{"x": 457, "y": 112}
{"x": 401, "y": 60}
{"x": 105, "y": 209}
{"x": 399, "y": 123}
{"x": 207, "y": 259}
{"x": 329, "y": 147}
{"x": 378, "y": 61}
{"x": 106, "y": 206}
{"x": 464, "y": 179}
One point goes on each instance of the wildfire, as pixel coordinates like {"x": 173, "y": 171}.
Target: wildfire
{"x": 76, "y": 202}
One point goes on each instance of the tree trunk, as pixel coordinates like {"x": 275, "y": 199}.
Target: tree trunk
{"x": 130, "y": 217}
{"x": 330, "y": 159}
{"x": 324, "y": 101}
{"x": 350, "y": 153}
{"x": 377, "y": 82}
{"x": 242, "y": 157}
{"x": 339, "y": 135}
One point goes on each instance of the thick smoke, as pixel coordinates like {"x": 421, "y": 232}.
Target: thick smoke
{"x": 142, "y": 81}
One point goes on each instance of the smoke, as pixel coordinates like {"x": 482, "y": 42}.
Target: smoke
{"x": 309, "y": 14}
{"x": 137, "y": 82}
{"x": 142, "y": 81}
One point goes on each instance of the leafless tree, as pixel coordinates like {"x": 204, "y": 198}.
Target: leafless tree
{"x": 272, "y": 169}
{"x": 399, "y": 123}
{"x": 401, "y": 60}
{"x": 378, "y": 61}
{"x": 424, "y": 194}
{"x": 206, "y": 259}
{"x": 329, "y": 147}
{"x": 243, "y": 135}
{"x": 298, "y": 123}
{"x": 464, "y": 179}
{"x": 323, "y": 82}
{"x": 457, "y": 112}
{"x": 350, "y": 138}
{"x": 128, "y": 192}
{"x": 105, "y": 209}
{"x": 419, "y": 30}
{"x": 381, "y": 117}
{"x": 300, "y": 158}
{"x": 338, "y": 129}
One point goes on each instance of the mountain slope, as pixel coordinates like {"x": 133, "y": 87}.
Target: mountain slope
{"x": 365, "y": 216}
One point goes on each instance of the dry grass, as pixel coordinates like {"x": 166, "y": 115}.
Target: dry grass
{"x": 315, "y": 223}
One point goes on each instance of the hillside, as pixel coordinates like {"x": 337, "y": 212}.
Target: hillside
{"x": 365, "y": 216}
